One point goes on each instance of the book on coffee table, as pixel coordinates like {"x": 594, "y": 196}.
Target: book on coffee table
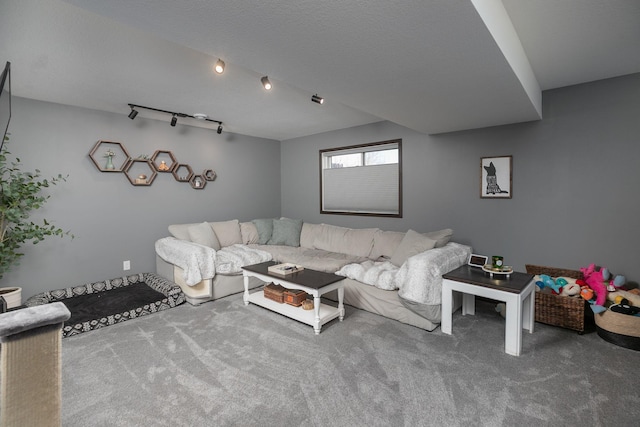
{"x": 285, "y": 268}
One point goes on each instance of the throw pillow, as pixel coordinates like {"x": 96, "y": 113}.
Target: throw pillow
{"x": 204, "y": 235}
{"x": 265, "y": 229}
{"x": 286, "y": 232}
{"x": 412, "y": 244}
{"x": 442, "y": 237}
{"x": 227, "y": 232}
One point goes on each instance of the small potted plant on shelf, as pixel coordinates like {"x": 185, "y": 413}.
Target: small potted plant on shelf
{"x": 20, "y": 196}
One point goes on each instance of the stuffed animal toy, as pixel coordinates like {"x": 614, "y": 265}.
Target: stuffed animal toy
{"x": 595, "y": 280}
{"x": 569, "y": 286}
{"x": 545, "y": 281}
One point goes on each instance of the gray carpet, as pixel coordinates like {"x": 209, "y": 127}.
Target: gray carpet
{"x": 226, "y": 364}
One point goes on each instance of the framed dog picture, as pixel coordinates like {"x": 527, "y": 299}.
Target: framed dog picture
{"x": 495, "y": 177}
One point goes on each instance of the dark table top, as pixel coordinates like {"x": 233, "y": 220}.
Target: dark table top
{"x": 309, "y": 278}
{"x": 515, "y": 283}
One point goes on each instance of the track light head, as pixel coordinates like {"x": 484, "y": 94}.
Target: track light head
{"x": 219, "y": 129}
{"x": 174, "y": 120}
{"x": 219, "y": 67}
{"x": 133, "y": 114}
{"x": 266, "y": 83}
{"x": 317, "y": 99}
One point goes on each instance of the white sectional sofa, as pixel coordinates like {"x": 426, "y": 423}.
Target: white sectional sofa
{"x": 394, "y": 274}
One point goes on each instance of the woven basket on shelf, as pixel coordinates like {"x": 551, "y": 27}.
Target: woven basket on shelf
{"x": 557, "y": 310}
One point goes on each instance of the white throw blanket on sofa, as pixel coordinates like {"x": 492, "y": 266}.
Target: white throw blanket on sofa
{"x": 197, "y": 261}
{"x": 379, "y": 274}
{"x": 419, "y": 279}
{"x": 230, "y": 259}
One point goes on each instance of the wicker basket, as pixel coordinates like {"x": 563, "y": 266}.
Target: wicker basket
{"x": 557, "y": 310}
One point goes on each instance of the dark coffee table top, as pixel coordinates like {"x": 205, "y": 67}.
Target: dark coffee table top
{"x": 309, "y": 278}
{"x": 515, "y": 283}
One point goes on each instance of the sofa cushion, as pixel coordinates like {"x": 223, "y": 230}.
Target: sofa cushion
{"x": 308, "y": 234}
{"x": 412, "y": 244}
{"x": 203, "y": 234}
{"x": 385, "y": 243}
{"x": 227, "y": 232}
{"x": 265, "y": 229}
{"x": 441, "y": 237}
{"x": 180, "y": 231}
{"x": 350, "y": 241}
{"x": 249, "y": 233}
{"x": 286, "y": 232}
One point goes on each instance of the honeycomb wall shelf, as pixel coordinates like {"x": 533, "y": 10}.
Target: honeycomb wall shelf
{"x": 119, "y": 160}
{"x": 164, "y": 161}
{"x": 140, "y": 172}
{"x": 182, "y": 173}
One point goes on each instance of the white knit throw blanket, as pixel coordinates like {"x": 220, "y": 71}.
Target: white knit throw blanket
{"x": 231, "y": 259}
{"x": 197, "y": 261}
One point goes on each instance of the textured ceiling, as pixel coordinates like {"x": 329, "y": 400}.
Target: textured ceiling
{"x": 430, "y": 65}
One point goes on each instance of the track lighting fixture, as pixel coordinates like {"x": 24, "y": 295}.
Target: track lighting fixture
{"x": 266, "y": 83}
{"x": 219, "y": 67}
{"x": 174, "y": 115}
{"x": 317, "y": 99}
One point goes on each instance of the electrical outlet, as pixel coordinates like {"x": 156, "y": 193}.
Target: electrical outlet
{"x": 126, "y": 265}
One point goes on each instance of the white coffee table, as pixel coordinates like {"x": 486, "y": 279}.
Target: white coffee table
{"x": 316, "y": 283}
{"x": 517, "y": 292}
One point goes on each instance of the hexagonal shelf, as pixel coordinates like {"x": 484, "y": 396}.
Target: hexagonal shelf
{"x": 198, "y": 182}
{"x": 164, "y": 161}
{"x": 140, "y": 168}
{"x": 182, "y": 173}
{"x": 209, "y": 174}
{"x": 115, "y": 163}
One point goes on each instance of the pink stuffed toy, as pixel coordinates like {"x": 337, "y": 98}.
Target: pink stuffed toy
{"x": 597, "y": 282}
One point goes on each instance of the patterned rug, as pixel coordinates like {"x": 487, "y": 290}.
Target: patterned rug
{"x": 100, "y": 304}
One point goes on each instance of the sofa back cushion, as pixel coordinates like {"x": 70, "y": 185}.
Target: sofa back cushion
{"x": 227, "y": 232}
{"x": 412, "y": 244}
{"x": 249, "y": 233}
{"x": 181, "y": 231}
{"x": 308, "y": 234}
{"x": 385, "y": 243}
{"x": 350, "y": 241}
{"x": 203, "y": 234}
{"x": 441, "y": 237}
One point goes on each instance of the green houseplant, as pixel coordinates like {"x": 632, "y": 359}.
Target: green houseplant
{"x": 20, "y": 196}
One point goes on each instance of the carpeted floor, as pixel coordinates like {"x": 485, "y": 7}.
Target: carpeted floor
{"x": 224, "y": 363}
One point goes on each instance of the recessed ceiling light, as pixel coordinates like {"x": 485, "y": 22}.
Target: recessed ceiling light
{"x": 200, "y": 116}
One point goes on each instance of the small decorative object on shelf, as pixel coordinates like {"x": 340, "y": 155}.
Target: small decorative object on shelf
{"x": 163, "y": 167}
{"x": 109, "y": 154}
{"x": 198, "y": 182}
{"x": 140, "y": 172}
{"x": 307, "y": 304}
{"x": 141, "y": 179}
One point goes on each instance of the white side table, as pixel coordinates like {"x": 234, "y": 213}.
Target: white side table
{"x": 517, "y": 292}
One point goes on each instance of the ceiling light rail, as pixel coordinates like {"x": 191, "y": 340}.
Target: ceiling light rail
{"x": 174, "y": 115}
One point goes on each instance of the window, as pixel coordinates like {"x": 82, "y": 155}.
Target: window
{"x": 362, "y": 179}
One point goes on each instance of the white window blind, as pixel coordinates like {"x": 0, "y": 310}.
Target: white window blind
{"x": 372, "y": 189}
{"x": 363, "y": 189}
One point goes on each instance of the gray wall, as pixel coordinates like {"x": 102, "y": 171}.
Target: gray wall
{"x": 112, "y": 220}
{"x": 575, "y": 181}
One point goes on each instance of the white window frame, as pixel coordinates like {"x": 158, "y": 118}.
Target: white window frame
{"x": 367, "y": 190}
